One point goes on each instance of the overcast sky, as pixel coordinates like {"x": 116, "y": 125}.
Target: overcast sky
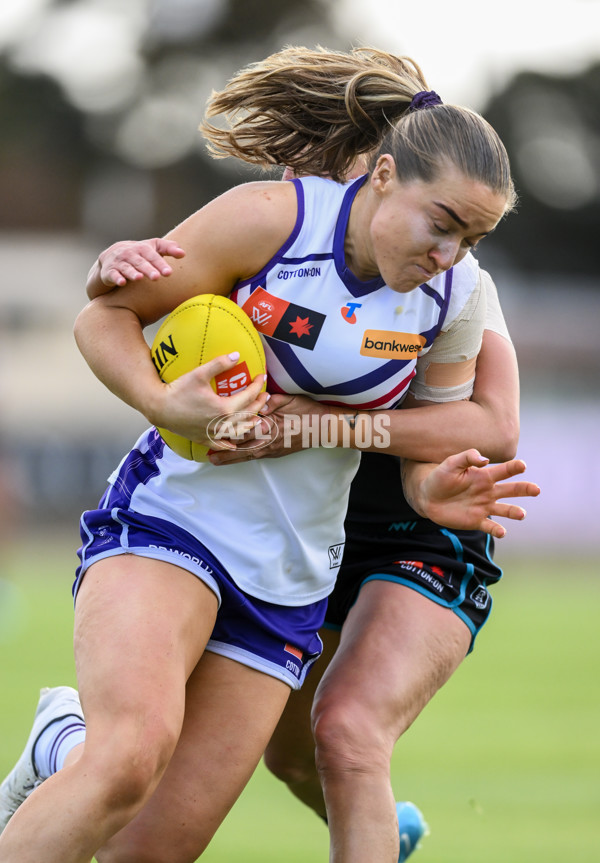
{"x": 468, "y": 49}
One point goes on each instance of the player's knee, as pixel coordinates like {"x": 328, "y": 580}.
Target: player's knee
{"x": 129, "y": 767}
{"x": 292, "y": 766}
{"x": 350, "y": 738}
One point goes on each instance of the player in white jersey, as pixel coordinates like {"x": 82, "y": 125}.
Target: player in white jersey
{"x": 427, "y": 598}
{"x": 175, "y": 727}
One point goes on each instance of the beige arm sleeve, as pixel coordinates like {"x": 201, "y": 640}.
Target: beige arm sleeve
{"x": 447, "y": 371}
{"x": 494, "y": 319}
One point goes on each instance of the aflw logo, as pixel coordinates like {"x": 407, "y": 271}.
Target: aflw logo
{"x": 262, "y": 312}
{"x": 335, "y": 555}
{"x": 403, "y": 526}
{"x": 391, "y": 345}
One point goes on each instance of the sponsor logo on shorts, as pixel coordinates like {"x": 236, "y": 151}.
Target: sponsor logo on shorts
{"x": 391, "y": 345}
{"x": 293, "y": 667}
{"x": 186, "y": 555}
{"x": 104, "y": 536}
{"x": 404, "y": 526}
{"x": 284, "y": 321}
{"x": 480, "y": 597}
{"x": 335, "y": 555}
{"x": 289, "y": 663}
{"x": 416, "y": 567}
{"x": 295, "y": 651}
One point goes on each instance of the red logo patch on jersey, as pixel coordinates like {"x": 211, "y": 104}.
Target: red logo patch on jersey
{"x": 286, "y": 322}
{"x": 265, "y": 311}
{"x": 437, "y": 571}
{"x": 233, "y": 381}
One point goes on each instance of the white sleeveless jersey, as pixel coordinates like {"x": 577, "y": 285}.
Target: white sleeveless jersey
{"x": 277, "y": 524}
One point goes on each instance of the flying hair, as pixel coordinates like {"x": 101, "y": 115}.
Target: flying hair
{"x": 314, "y": 110}
{"x": 317, "y": 111}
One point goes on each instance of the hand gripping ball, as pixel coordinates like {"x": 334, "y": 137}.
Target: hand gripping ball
{"x": 197, "y": 331}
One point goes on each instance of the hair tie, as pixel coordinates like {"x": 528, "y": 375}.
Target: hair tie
{"x": 424, "y": 99}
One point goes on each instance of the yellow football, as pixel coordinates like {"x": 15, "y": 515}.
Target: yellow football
{"x": 197, "y": 331}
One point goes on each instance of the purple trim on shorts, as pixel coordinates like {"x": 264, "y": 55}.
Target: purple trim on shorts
{"x": 281, "y": 641}
{"x": 107, "y": 532}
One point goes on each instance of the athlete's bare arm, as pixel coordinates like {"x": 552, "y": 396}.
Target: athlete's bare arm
{"x": 422, "y": 431}
{"x": 131, "y": 261}
{"x": 228, "y": 240}
{"x": 489, "y": 421}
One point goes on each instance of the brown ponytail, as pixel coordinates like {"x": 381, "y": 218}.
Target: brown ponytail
{"x": 316, "y": 111}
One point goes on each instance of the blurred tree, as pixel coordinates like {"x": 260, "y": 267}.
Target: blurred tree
{"x": 44, "y": 154}
{"x": 74, "y": 146}
{"x": 551, "y": 128}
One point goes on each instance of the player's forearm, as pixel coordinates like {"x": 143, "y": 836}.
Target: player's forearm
{"x": 430, "y": 432}
{"x": 433, "y": 432}
{"x": 427, "y": 434}
{"x": 414, "y": 474}
{"x": 112, "y": 343}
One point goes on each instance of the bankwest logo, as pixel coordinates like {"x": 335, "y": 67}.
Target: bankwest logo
{"x": 391, "y": 345}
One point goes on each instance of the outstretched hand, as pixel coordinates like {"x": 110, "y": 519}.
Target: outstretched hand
{"x": 463, "y": 492}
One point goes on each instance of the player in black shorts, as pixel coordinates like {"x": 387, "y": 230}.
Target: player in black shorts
{"x": 388, "y": 541}
{"x": 409, "y": 600}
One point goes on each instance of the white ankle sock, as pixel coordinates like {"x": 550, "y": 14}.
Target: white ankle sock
{"x": 54, "y": 744}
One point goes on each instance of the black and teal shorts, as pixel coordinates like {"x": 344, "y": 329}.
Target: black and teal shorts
{"x": 455, "y": 569}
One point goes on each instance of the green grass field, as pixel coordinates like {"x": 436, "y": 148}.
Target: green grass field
{"x": 505, "y": 762}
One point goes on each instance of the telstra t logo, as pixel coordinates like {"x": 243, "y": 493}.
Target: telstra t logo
{"x": 349, "y": 312}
